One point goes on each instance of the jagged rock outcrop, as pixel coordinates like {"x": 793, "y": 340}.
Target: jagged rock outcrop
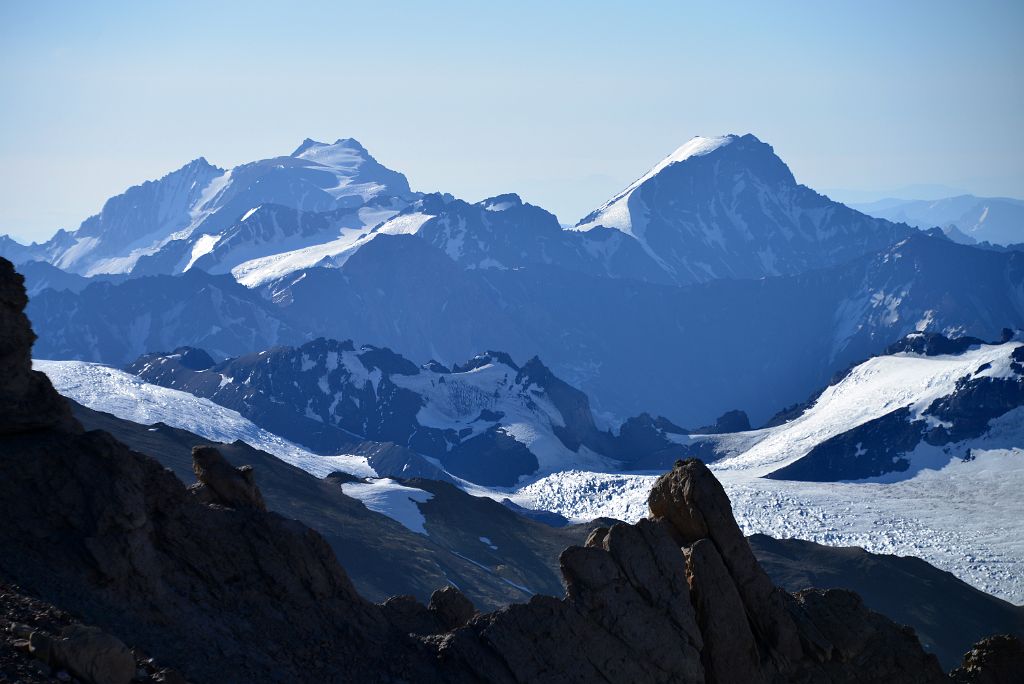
{"x": 451, "y": 608}
{"x": 679, "y": 597}
{"x": 996, "y": 660}
{"x": 221, "y": 483}
{"x": 210, "y": 583}
{"x": 28, "y": 401}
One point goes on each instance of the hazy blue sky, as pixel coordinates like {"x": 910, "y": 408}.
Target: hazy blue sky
{"x": 564, "y": 103}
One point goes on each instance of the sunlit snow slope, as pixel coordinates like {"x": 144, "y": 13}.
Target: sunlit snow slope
{"x": 102, "y": 388}
{"x": 960, "y": 515}
{"x": 871, "y": 390}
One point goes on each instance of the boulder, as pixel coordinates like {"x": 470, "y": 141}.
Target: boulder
{"x": 998, "y": 659}
{"x": 451, "y": 608}
{"x": 222, "y": 483}
{"x": 87, "y": 652}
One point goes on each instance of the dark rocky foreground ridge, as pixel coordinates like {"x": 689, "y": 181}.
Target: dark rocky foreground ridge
{"x": 208, "y": 582}
{"x": 383, "y": 558}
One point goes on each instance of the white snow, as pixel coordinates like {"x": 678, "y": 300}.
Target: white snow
{"x": 204, "y": 205}
{"x": 388, "y": 497}
{"x": 628, "y": 213}
{"x": 204, "y": 245}
{"x": 344, "y": 159}
{"x": 259, "y": 271}
{"x": 404, "y": 224}
{"x": 529, "y": 417}
{"x": 872, "y": 389}
{"x": 961, "y": 516}
{"x": 106, "y": 389}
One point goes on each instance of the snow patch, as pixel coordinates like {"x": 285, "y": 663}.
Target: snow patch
{"x": 204, "y": 245}
{"x": 396, "y": 501}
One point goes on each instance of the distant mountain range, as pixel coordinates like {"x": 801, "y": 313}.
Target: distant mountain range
{"x": 714, "y": 282}
{"x": 488, "y": 421}
{"x": 201, "y": 215}
{"x": 966, "y": 218}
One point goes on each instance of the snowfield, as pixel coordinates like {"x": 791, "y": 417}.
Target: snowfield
{"x": 396, "y": 501}
{"x": 963, "y": 516}
{"x": 106, "y": 389}
{"x": 259, "y": 271}
{"x": 874, "y": 388}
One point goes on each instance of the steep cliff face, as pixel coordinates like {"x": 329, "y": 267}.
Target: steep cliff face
{"x": 210, "y": 583}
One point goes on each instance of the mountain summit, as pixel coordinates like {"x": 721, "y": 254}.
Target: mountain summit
{"x": 615, "y": 213}
{"x": 211, "y": 218}
{"x": 729, "y": 207}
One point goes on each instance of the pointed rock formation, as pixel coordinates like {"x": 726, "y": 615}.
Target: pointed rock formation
{"x": 28, "y": 401}
{"x": 222, "y": 483}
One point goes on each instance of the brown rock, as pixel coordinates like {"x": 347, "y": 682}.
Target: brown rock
{"x": 998, "y": 659}
{"x": 451, "y": 608}
{"x": 694, "y": 502}
{"x": 410, "y": 616}
{"x": 867, "y": 646}
{"x": 730, "y": 652}
{"x": 27, "y": 399}
{"x": 224, "y": 484}
{"x": 92, "y": 655}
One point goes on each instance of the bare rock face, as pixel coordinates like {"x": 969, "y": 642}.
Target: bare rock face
{"x": 222, "y": 483}
{"x": 448, "y": 609}
{"x": 754, "y": 631}
{"x": 679, "y": 597}
{"x": 695, "y": 503}
{"x": 27, "y": 399}
{"x": 996, "y": 660}
{"x": 730, "y": 651}
{"x": 221, "y": 593}
{"x": 451, "y": 608}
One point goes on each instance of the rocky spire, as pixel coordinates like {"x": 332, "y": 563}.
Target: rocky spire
{"x": 27, "y": 399}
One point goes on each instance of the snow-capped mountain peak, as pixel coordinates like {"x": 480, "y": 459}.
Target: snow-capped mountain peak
{"x": 615, "y": 212}
{"x": 729, "y": 207}
{"x": 343, "y": 152}
{"x": 204, "y": 217}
